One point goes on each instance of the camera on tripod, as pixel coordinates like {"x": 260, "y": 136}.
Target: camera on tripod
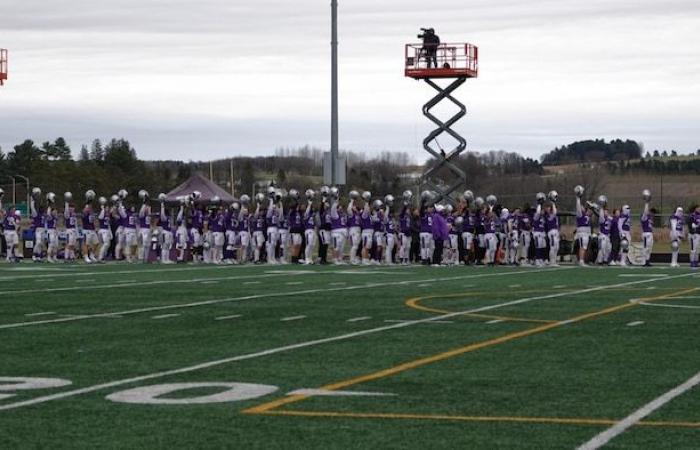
{"x": 426, "y": 32}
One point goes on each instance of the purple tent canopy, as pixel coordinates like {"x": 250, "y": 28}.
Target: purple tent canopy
{"x": 208, "y": 188}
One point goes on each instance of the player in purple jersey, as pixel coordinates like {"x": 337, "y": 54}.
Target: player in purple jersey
{"x": 181, "y": 233}
{"x": 274, "y": 216}
{"x": 129, "y": 222}
{"x": 259, "y": 226}
{"x": 615, "y": 238}
{"x": 39, "y": 227}
{"x": 552, "y": 228}
{"x": 405, "y": 238}
{"x": 647, "y": 221}
{"x": 10, "y": 221}
{"x": 468, "y": 230}
{"x": 367, "y": 229}
{"x": 197, "y": 217}
{"x": 694, "y": 237}
{"x": 539, "y": 231}
{"x": 70, "y": 220}
{"x": 605, "y": 224}
{"x": 309, "y": 228}
{"x": 452, "y": 254}
{"x": 379, "y": 224}
{"x": 144, "y": 228}
{"x": 104, "y": 219}
{"x": 284, "y": 233}
{"x": 583, "y": 228}
{"x": 624, "y": 224}
{"x": 427, "y": 244}
{"x": 295, "y": 219}
{"x": 490, "y": 240}
{"x": 339, "y": 231}
{"x": 51, "y": 220}
{"x": 166, "y": 238}
{"x": 324, "y": 226}
{"x": 244, "y": 239}
{"x": 354, "y": 227}
{"x": 525, "y": 232}
{"x": 512, "y": 224}
{"x": 90, "y": 242}
{"x": 677, "y": 225}
{"x": 217, "y": 228}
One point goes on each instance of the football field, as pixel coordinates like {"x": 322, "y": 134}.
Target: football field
{"x": 145, "y": 356}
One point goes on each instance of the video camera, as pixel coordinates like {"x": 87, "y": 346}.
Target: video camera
{"x": 426, "y": 32}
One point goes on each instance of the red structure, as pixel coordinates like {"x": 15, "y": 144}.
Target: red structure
{"x": 453, "y": 61}
{"x": 458, "y": 62}
{"x": 3, "y": 66}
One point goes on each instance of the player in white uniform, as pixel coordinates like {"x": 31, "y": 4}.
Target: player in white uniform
{"x": 181, "y": 233}
{"x": 105, "y": 219}
{"x": 71, "y": 226}
{"x": 39, "y": 227}
{"x": 91, "y": 241}
{"x": 166, "y": 233}
{"x": 309, "y": 228}
{"x": 145, "y": 233}
{"x": 677, "y": 225}
{"x": 354, "y": 229}
{"x": 583, "y": 226}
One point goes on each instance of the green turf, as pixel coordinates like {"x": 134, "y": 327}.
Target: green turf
{"x": 598, "y": 368}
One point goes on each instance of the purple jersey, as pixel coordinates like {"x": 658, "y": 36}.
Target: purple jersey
{"x": 260, "y": 222}
{"x": 379, "y": 222}
{"x": 106, "y": 221}
{"x": 129, "y": 220}
{"x": 538, "y": 223}
{"x": 244, "y": 223}
{"x": 426, "y": 223}
{"x": 165, "y": 222}
{"x": 469, "y": 222}
{"x": 50, "y": 221}
{"x": 217, "y": 224}
{"x": 145, "y": 220}
{"x": 552, "y": 222}
{"x": 354, "y": 219}
{"x": 340, "y": 222}
{"x": 38, "y": 220}
{"x": 614, "y": 229}
{"x": 405, "y": 221}
{"x": 296, "y": 222}
{"x": 10, "y": 222}
{"x": 309, "y": 221}
{"x": 366, "y": 221}
{"x": 680, "y": 218}
{"x": 390, "y": 226}
{"x": 489, "y": 225}
{"x": 583, "y": 221}
{"x": 197, "y": 218}
{"x": 695, "y": 223}
{"x": 89, "y": 220}
{"x": 524, "y": 222}
{"x": 647, "y": 224}
{"x": 273, "y": 217}
{"x": 71, "y": 220}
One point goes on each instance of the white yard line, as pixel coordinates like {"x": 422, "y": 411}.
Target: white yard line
{"x": 115, "y": 272}
{"x": 409, "y": 321}
{"x": 643, "y": 275}
{"x": 165, "y": 316}
{"x": 620, "y": 427}
{"x": 293, "y": 318}
{"x": 358, "y": 319}
{"x": 235, "y": 316}
{"x": 287, "y": 348}
{"x": 48, "y": 313}
{"x": 493, "y": 322}
{"x": 210, "y": 282}
{"x": 295, "y": 283}
{"x": 248, "y": 283}
{"x": 668, "y": 305}
{"x": 261, "y": 296}
{"x": 635, "y": 324}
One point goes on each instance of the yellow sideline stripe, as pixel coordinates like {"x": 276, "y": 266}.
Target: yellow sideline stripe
{"x": 265, "y": 407}
{"x": 515, "y": 419}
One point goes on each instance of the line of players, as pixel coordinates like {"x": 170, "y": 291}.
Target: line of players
{"x": 268, "y": 232}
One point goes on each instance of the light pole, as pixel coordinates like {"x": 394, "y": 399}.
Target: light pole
{"x": 14, "y": 191}
{"x": 22, "y": 177}
{"x": 334, "y": 90}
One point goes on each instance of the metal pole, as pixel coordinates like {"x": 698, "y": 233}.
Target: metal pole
{"x": 233, "y": 186}
{"x": 334, "y": 89}
{"x": 14, "y": 191}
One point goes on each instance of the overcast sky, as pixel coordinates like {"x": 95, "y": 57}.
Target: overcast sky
{"x": 212, "y": 78}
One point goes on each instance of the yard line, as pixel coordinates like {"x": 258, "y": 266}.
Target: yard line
{"x": 287, "y": 348}
{"x": 48, "y": 313}
{"x": 493, "y": 322}
{"x": 358, "y": 319}
{"x": 666, "y": 305}
{"x": 210, "y": 282}
{"x": 116, "y": 272}
{"x": 643, "y": 275}
{"x": 295, "y": 283}
{"x": 635, "y": 324}
{"x": 409, "y": 321}
{"x": 271, "y": 295}
{"x": 122, "y": 284}
{"x": 620, "y": 427}
{"x": 290, "y": 319}
{"x": 252, "y": 282}
{"x": 165, "y": 316}
{"x": 235, "y": 316}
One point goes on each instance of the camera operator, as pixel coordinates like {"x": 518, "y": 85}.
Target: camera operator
{"x": 431, "y": 42}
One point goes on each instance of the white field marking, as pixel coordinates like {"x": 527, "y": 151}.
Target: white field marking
{"x": 272, "y": 295}
{"x": 561, "y": 286}
{"x": 235, "y": 316}
{"x": 358, "y": 319}
{"x": 424, "y": 285}
{"x": 635, "y": 324}
{"x": 667, "y": 305}
{"x": 165, "y": 316}
{"x": 327, "y": 393}
{"x": 291, "y": 347}
{"x": 512, "y": 286}
{"x": 126, "y": 281}
{"x": 685, "y": 297}
{"x": 85, "y": 281}
{"x": 252, "y": 282}
{"x": 116, "y": 272}
{"x": 620, "y": 427}
{"x": 151, "y": 395}
{"x": 6, "y": 396}
{"x": 409, "y": 321}
{"x": 338, "y": 284}
{"x": 294, "y": 283}
{"x": 210, "y": 282}
{"x": 492, "y": 322}
{"x": 651, "y": 288}
{"x": 11, "y": 384}
{"x": 47, "y": 313}
{"x": 293, "y": 318}
{"x": 138, "y": 283}
{"x": 643, "y": 275}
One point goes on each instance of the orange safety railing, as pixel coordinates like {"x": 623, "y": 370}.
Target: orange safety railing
{"x": 443, "y": 61}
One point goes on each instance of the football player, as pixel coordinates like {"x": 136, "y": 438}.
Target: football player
{"x": 39, "y": 226}
{"x": 583, "y": 226}
{"x": 70, "y": 220}
{"x": 379, "y": 224}
{"x": 694, "y": 237}
{"x": 677, "y": 225}
{"x": 309, "y": 228}
{"x": 274, "y": 213}
{"x": 426, "y": 230}
{"x": 129, "y": 220}
{"x": 51, "y": 220}
{"x": 11, "y": 222}
{"x": 539, "y": 233}
{"x": 339, "y": 230}
{"x": 259, "y": 226}
{"x": 144, "y": 227}
{"x": 405, "y": 219}
{"x": 647, "y": 221}
{"x": 605, "y": 224}
{"x": 354, "y": 227}
{"x": 552, "y": 228}
{"x": 90, "y": 240}
{"x": 367, "y": 228}
{"x": 295, "y": 219}
{"x": 105, "y": 221}
{"x": 624, "y": 224}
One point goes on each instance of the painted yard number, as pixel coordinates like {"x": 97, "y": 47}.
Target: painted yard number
{"x": 150, "y": 395}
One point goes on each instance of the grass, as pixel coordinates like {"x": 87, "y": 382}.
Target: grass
{"x": 465, "y": 381}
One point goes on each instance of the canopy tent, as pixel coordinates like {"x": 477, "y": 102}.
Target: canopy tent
{"x": 208, "y": 188}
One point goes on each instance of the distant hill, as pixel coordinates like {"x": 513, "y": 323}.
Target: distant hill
{"x": 593, "y": 151}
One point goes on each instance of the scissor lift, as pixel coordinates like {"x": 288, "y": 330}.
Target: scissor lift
{"x": 453, "y": 61}
{"x": 3, "y": 66}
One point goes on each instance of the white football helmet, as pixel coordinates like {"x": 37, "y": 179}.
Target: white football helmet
{"x": 367, "y": 196}
{"x": 354, "y": 195}
{"x": 579, "y": 191}
{"x": 646, "y": 195}
{"x": 36, "y": 192}
{"x": 68, "y": 196}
